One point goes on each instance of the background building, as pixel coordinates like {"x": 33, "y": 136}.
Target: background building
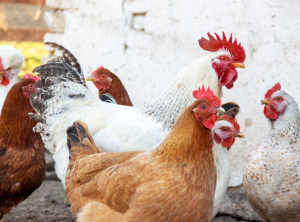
{"x": 147, "y": 42}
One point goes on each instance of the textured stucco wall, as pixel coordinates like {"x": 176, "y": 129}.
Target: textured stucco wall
{"x": 146, "y": 43}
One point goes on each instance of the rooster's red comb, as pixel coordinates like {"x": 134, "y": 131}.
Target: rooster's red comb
{"x": 30, "y": 76}
{"x": 275, "y": 88}
{"x": 232, "y": 121}
{"x": 213, "y": 45}
{"x": 97, "y": 70}
{"x": 207, "y": 94}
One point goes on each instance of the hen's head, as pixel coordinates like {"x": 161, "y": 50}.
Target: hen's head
{"x": 101, "y": 79}
{"x": 11, "y": 61}
{"x": 207, "y": 105}
{"x": 275, "y": 101}
{"x": 28, "y": 86}
{"x": 231, "y": 55}
{"x": 226, "y": 130}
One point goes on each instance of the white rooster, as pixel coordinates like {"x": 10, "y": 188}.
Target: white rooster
{"x": 62, "y": 98}
{"x": 271, "y": 176}
{"x": 11, "y": 61}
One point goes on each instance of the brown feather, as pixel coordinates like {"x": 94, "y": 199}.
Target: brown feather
{"x": 116, "y": 90}
{"x": 175, "y": 182}
{"x": 22, "y": 152}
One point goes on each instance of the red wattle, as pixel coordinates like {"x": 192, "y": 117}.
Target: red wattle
{"x": 4, "y": 81}
{"x": 228, "y": 142}
{"x": 98, "y": 85}
{"x": 228, "y": 77}
{"x": 270, "y": 112}
{"x": 217, "y": 138}
{"x": 209, "y": 122}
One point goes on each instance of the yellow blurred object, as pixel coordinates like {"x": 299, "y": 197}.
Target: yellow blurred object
{"x": 32, "y": 51}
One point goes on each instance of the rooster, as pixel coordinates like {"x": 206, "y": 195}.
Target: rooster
{"x": 63, "y": 97}
{"x": 224, "y": 133}
{"x": 109, "y": 87}
{"x": 11, "y": 61}
{"x": 271, "y": 176}
{"x": 175, "y": 182}
{"x": 22, "y": 153}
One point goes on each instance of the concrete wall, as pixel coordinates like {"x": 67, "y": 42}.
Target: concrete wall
{"x": 147, "y": 42}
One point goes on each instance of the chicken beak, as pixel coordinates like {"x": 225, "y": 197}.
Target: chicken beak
{"x": 239, "y": 65}
{"x": 91, "y": 78}
{"x": 239, "y": 135}
{"x": 219, "y": 110}
{"x": 265, "y": 102}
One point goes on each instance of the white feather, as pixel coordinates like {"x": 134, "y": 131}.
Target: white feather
{"x": 10, "y": 58}
{"x": 121, "y": 128}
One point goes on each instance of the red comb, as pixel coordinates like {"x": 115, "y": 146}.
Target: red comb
{"x": 97, "y": 70}
{"x": 232, "y": 121}
{"x": 208, "y": 94}
{"x": 213, "y": 45}
{"x": 30, "y": 76}
{"x": 275, "y": 88}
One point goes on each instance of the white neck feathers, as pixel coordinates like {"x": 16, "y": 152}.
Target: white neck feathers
{"x": 178, "y": 95}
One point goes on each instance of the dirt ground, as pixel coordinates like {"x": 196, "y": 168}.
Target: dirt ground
{"x": 45, "y": 204}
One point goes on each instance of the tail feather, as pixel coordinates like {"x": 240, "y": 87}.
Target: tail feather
{"x": 80, "y": 141}
{"x": 61, "y": 69}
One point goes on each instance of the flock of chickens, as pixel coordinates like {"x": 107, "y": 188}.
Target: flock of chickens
{"x": 164, "y": 161}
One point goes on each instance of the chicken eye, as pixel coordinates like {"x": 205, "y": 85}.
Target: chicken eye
{"x": 278, "y": 99}
{"x": 224, "y": 129}
{"x": 103, "y": 77}
{"x": 30, "y": 86}
{"x": 202, "y": 106}
{"x": 223, "y": 58}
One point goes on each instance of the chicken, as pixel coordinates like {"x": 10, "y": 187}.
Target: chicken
{"x": 108, "y": 83}
{"x": 22, "y": 152}
{"x": 64, "y": 98}
{"x": 224, "y": 133}
{"x": 174, "y": 182}
{"x": 11, "y": 61}
{"x": 271, "y": 176}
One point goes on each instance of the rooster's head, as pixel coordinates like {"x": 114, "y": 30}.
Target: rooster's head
{"x": 231, "y": 56}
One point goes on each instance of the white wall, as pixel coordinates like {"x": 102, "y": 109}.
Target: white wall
{"x": 147, "y": 42}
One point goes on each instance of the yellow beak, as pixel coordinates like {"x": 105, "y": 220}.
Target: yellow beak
{"x": 239, "y": 65}
{"x": 265, "y": 102}
{"x": 91, "y": 78}
{"x": 239, "y": 135}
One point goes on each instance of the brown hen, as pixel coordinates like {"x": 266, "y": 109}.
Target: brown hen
{"x": 22, "y": 152}
{"x": 175, "y": 182}
{"x": 107, "y": 82}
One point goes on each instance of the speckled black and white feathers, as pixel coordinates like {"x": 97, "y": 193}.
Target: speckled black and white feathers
{"x": 60, "y": 69}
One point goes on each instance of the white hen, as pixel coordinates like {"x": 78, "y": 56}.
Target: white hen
{"x": 11, "y": 61}
{"x": 224, "y": 133}
{"x": 62, "y": 97}
{"x": 271, "y": 177}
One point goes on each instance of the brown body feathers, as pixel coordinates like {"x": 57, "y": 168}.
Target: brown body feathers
{"x": 175, "y": 182}
{"x": 22, "y": 152}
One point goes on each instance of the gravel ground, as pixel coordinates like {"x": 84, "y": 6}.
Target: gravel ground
{"x": 45, "y": 204}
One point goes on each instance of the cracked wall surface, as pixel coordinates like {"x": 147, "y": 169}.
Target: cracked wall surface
{"x": 147, "y": 42}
